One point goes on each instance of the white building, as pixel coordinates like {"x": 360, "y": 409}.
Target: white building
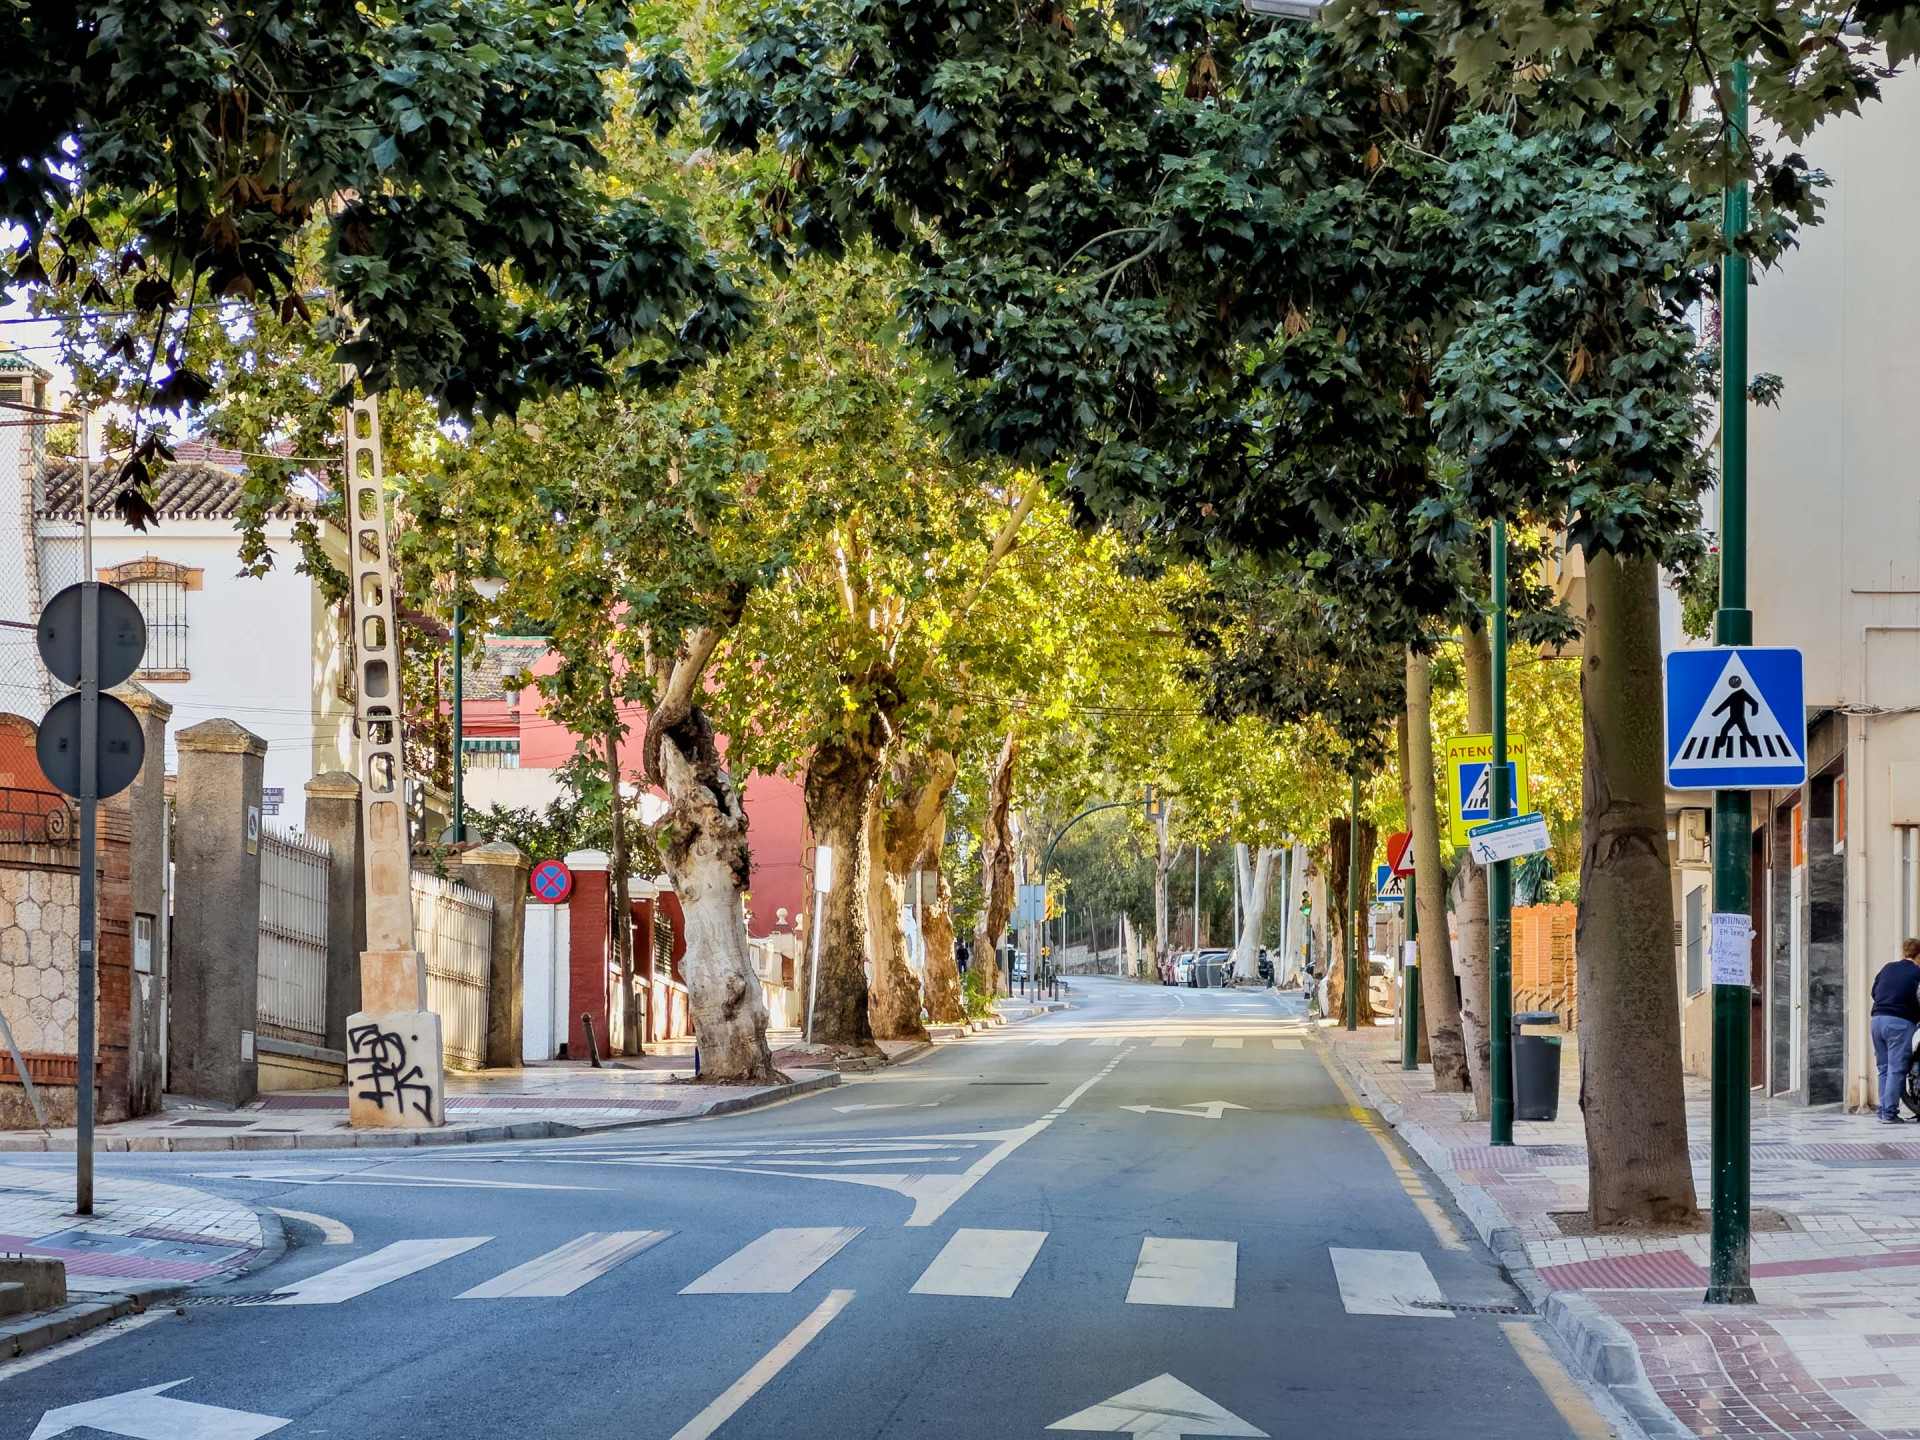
{"x": 266, "y": 652}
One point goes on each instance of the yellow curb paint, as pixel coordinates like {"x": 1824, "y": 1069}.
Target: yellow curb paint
{"x": 1568, "y": 1398}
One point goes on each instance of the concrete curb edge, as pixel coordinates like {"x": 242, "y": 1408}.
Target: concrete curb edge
{"x": 1599, "y": 1344}
{"x": 50, "y": 1327}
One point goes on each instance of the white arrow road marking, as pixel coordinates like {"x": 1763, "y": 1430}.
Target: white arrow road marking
{"x": 1386, "y": 1282}
{"x": 370, "y": 1272}
{"x": 1199, "y": 1110}
{"x": 149, "y": 1415}
{"x": 1197, "y": 1273}
{"x": 1163, "y": 1406}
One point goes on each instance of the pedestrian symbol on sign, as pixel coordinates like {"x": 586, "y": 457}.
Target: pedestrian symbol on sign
{"x": 1735, "y": 719}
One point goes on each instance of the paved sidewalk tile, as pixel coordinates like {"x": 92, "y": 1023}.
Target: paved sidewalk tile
{"x": 140, "y": 1230}
{"x": 1832, "y": 1350}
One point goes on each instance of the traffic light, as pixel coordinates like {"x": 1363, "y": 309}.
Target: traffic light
{"x": 1154, "y": 807}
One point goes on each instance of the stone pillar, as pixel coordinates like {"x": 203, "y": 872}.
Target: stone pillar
{"x": 499, "y": 869}
{"x": 146, "y": 806}
{"x": 216, "y": 914}
{"x": 333, "y": 815}
{"x": 588, "y": 950}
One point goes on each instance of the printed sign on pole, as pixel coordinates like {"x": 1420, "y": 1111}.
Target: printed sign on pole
{"x": 1388, "y": 888}
{"x": 1736, "y": 719}
{"x": 1513, "y": 838}
{"x": 1030, "y": 908}
{"x": 1400, "y": 852}
{"x": 551, "y": 881}
{"x": 1470, "y": 781}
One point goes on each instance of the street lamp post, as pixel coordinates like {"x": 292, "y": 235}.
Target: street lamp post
{"x": 1500, "y": 873}
{"x": 1730, "y": 1272}
{"x": 1355, "y": 909}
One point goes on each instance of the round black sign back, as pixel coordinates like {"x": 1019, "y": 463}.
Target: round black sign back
{"x": 123, "y": 636}
{"x": 122, "y": 746}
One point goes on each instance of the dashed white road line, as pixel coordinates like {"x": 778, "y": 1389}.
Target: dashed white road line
{"x": 370, "y": 1272}
{"x": 768, "y": 1366}
{"x": 1185, "y": 1272}
{"x": 566, "y": 1269}
{"x": 1387, "y": 1282}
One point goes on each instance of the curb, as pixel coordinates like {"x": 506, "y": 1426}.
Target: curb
{"x": 1599, "y": 1344}
{"x": 50, "y": 1327}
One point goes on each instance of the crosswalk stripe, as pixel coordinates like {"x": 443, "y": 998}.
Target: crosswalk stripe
{"x": 1169, "y": 1042}
{"x": 1051, "y": 1040}
{"x": 1280, "y": 1044}
{"x": 1386, "y": 1282}
{"x": 565, "y": 1270}
{"x": 1228, "y": 1043}
{"x": 1106, "y": 1042}
{"x": 981, "y": 1262}
{"x": 1185, "y": 1272}
{"x": 370, "y": 1272}
{"x": 776, "y": 1263}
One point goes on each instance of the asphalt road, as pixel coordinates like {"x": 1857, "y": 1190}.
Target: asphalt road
{"x": 1159, "y": 1199}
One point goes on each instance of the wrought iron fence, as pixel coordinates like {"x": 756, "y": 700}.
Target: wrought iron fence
{"x": 293, "y": 937}
{"x": 453, "y": 928}
{"x": 36, "y": 817}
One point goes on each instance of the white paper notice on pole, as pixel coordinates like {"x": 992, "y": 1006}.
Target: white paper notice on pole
{"x": 1730, "y": 949}
{"x": 1409, "y": 954}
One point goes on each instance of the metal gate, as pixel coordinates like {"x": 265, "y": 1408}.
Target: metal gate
{"x": 293, "y": 937}
{"x": 453, "y": 928}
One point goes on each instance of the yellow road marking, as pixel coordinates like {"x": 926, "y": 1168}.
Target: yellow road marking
{"x": 332, "y": 1232}
{"x": 1568, "y": 1398}
{"x": 1444, "y": 1230}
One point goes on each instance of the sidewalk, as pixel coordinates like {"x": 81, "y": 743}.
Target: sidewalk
{"x": 140, "y": 1230}
{"x": 1832, "y": 1350}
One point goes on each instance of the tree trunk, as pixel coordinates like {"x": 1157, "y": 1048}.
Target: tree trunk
{"x": 1470, "y": 896}
{"x": 1253, "y": 920}
{"x": 894, "y": 1002}
{"x": 705, "y": 828}
{"x": 1630, "y": 1086}
{"x": 1439, "y": 998}
{"x": 996, "y": 866}
{"x": 1422, "y": 1045}
{"x": 911, "y": 824}
{"x": 946, "y": 1002}
{"x": 842, "y": 775}
{"x": 1167, "y": 857}
{"x": 619, "y": 868}
{"x": 1344, "y": 920}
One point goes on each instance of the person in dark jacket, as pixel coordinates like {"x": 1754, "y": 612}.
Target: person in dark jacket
{"x": 1896, "y": 1010}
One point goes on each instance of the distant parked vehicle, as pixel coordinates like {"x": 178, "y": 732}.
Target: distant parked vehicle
{"x": 1210, "y": 969}
{"x": 1266, "y": 967}
{"x": 1183, "y": 967}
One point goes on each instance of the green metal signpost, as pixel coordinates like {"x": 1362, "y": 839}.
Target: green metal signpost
{"x": 1500, "y": 873}
{"x": 1730, "y": 1269}
{"x": 1355, "y": 906}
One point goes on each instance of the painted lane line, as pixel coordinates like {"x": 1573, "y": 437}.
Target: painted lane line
{"x": 1280, "y": 1044}
{"x": 332, "y": 1232}
{"x": 1107, "y": 1042}
{"x": 565, "y": 1270}
{"x": 981, "y": 1262}
{"x": 1386, "y": 1282}
{"x": 776, "y": 1263}
{"x": 1441, "y": 1223}
{"x": 1223, "y": 1043}
{"x": 370, "y": 1272}
{"x": 1049, "y": 1040}
{"x": 1185, "y": 1272}
{"x": 768, "y": 1366}
{"x": 1169, "y": 1042}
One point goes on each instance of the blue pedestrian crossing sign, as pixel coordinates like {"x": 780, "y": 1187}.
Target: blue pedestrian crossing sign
{"x": 1388, "y": 888}
{"x": 1736, "y": 718}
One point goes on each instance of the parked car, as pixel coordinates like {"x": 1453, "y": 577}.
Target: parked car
{"x": 1209, "y": 971}
{"x": 1380, "y": 983}
{"x": 1183, "y": 967}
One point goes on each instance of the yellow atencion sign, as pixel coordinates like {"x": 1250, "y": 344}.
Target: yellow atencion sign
{"x": 1470, "y": 777}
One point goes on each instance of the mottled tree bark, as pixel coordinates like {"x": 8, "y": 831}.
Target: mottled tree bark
{"x": 1630, "y": 1086}
{"x": 1258, "y": 885}
{"x": 1338, "y": 856}
{"x": 1439, "y": 999}
{"x": 705, "y": 830}
{"x": 842, "y": 775}
{"x": 913, "y": 826}
{"x": 1470, "y": 896}
{"x": 996, "y": 865}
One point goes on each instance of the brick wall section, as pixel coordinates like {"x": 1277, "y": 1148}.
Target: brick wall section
{"x": 1543, "y": 960}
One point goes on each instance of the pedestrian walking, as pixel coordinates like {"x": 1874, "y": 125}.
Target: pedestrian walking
{"x": 1896, "y": 1011}
{"x": 962, "y": 953}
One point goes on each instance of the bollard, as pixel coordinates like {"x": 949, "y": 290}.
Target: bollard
{"x": 593, "y": 1049}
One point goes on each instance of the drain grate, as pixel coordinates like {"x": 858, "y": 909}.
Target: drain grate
{"x": 255, "y": 1297}
{"x": 1469, "y": 1309}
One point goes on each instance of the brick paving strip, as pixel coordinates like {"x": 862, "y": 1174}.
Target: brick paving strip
{"x": 1832, "y": 1350}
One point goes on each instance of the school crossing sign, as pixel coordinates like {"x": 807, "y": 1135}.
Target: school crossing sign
{"x": 1470, "y": 782}
{"x": 1736, "y": 719}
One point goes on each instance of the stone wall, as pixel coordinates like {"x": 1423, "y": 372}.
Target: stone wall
{"x": 39, "y": 935}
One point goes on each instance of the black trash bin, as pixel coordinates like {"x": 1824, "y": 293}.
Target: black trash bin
{"x": 1536, "y": 1068}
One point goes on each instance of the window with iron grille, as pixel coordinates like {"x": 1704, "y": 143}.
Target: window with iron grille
{"x": 490, "y": 753}
{"x": 163, "y": 605}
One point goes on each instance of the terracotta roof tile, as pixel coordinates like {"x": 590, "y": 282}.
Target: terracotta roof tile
{"x": 183, "y": 491}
